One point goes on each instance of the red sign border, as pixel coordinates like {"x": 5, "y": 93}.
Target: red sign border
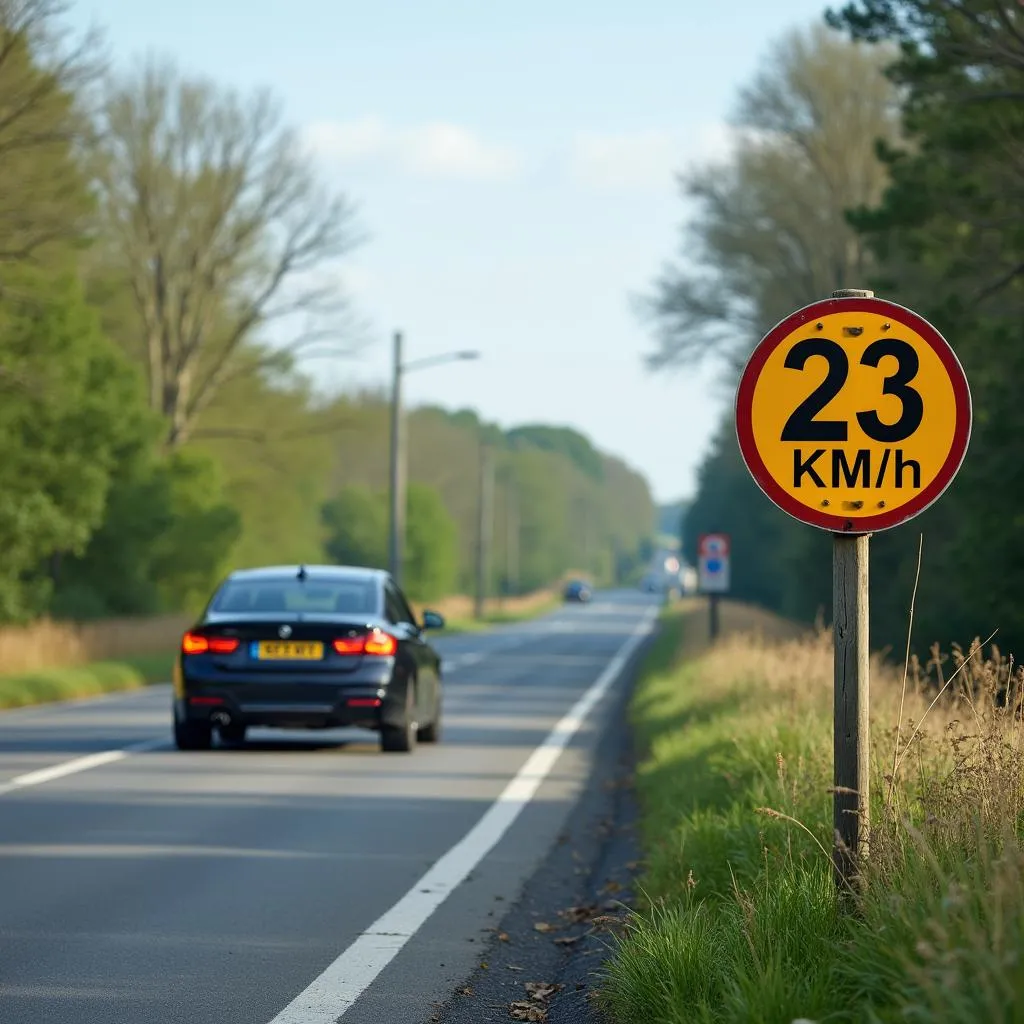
{"x": 824, "y": 520}
{"x": 705, "y": 536}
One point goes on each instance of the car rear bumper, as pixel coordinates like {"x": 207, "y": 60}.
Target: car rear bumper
{"x": 324, "y": 701}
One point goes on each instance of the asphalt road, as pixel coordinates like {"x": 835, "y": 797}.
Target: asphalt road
{"x": 305, "y": 877}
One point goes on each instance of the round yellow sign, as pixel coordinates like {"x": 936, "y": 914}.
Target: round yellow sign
{"x": 853, "y": 414}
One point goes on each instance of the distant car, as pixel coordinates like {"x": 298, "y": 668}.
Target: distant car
{"x": 578, "y": 590}
{"x": 308, "y": 647}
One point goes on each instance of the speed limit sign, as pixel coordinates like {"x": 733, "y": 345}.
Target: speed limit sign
{"x": 853, "y": 414}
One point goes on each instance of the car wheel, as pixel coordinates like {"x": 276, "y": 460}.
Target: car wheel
{"x": 401, "y": 739}
{"x": 432, "y": 733}
{"x": 192, "y": 735}
{"x": 232, "y": 734}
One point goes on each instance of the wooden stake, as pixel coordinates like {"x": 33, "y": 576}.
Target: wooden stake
{"x": 851, "y": 721}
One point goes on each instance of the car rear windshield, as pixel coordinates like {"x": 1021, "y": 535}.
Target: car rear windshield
{"x": 346, "y": 597}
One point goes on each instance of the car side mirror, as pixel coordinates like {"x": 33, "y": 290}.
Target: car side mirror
{"x": 433, "y": 620}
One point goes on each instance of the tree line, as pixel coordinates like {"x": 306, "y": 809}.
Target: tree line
{"x": 881, "y": 149}
{"x": 168, "y": 268}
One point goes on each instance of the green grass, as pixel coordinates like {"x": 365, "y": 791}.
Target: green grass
{"x": 739, "y": 920}
{"x": 46, "y": 685}
{"x": 153, "y": 668}
{"x": 90, "y": 680}
{"x": 497, "y": 618}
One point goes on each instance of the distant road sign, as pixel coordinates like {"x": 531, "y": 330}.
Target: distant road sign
{"x": 713, "y": 563}
{"x": 853, "y": 414}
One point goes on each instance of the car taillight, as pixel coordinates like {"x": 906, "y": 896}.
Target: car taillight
{"x": 376, "y": 643}
{"x": 350, "y": 645}
{"x": 380, "y": 643}
{"x": 196, "y": 643}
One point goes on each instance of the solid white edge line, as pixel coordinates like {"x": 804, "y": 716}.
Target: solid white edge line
{"x": 334, "y": 992}
{"x": 79, "y": 764}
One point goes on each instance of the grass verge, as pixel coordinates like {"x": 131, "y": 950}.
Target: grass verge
{"x": 740, "y": 920}
{"x": 498, "y": 617}
{"x": 43, "y": 686}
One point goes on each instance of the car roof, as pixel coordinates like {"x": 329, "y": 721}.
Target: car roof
{"x": 312, "y": 572}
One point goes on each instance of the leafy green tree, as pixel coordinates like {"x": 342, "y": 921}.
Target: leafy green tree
{"x": 68, "y": 402}
{"x": 356, "y": 526}
{"x": 431, "y": 554}
{"x": 564, "y": 440}
{"x": 44, "y": 199}
{"x": 166, "y": 538}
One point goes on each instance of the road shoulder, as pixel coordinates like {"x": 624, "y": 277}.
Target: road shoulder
{"x": 544, "y": 957}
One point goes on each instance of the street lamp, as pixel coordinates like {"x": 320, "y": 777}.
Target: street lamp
{"x": 397, "y": 470}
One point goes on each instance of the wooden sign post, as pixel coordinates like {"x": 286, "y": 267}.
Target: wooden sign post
{"x": 853, "y": 415}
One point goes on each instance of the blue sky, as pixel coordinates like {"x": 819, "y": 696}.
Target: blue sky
{"x": 513, "y": 169}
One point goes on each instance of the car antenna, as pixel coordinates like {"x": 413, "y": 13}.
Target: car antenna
{"x": 301, "y": 574}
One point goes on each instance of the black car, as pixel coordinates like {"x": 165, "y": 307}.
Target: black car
{"x": 577, "y": 590}
{"x": 308, "y": 647}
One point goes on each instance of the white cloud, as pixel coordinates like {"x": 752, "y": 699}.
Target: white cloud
{"x": 436, "y": 149}
{"x": 643, "y": 160}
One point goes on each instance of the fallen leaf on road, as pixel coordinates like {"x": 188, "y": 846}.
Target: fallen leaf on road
{"x": 543, "y": 926}
{"x": 613, "y": 886}
{"x": 566, "y": 940}
{"x": 466, "y": 991}
{"x": 503, "y": 937}
{"x": 527, "y": 1011}
{"x": 576, "y": 915}
{"x": 540, "y": 989}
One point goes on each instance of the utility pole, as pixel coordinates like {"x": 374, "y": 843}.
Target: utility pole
{"x": 483, "y": 537}
{"x": 396, "y": 489}
{"x": 512, "y": 538}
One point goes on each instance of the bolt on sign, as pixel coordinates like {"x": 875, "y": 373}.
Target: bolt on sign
{"x": 853, "y": 414}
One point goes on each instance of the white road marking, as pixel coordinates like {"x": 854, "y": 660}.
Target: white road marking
{"x": 333, "y": 993}
{"x": 79, "y": 764}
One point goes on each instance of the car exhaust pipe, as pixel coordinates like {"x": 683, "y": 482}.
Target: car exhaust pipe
{"x": 220, "y": 718}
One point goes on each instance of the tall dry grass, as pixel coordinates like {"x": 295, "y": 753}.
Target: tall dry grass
{"x": 48, "y": 644}
{"x": 947, "y": 739}
{"x": 741, "y": 920}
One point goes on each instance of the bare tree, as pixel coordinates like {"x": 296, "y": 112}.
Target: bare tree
{"x": 221, "y": 228}
{"x": 770, "y": 233}
{"x": 43, "y": 72}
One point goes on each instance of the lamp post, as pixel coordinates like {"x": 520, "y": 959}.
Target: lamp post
{"x": 398, "y": 452}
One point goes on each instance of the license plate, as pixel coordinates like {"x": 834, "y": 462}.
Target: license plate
{"x": 276, "y": 650}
